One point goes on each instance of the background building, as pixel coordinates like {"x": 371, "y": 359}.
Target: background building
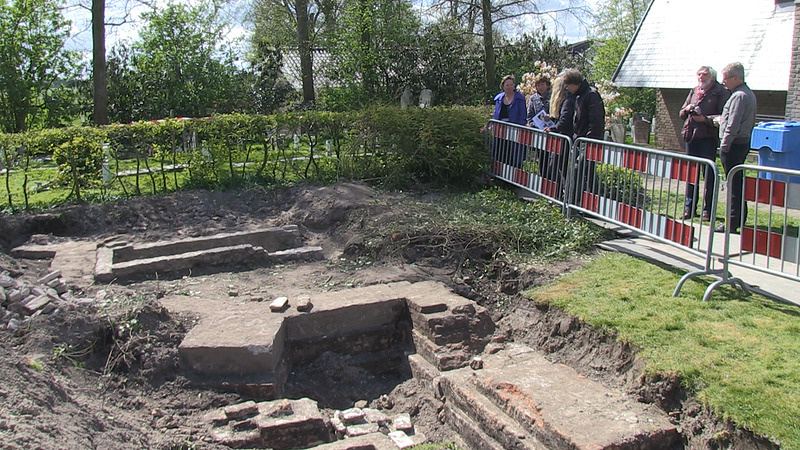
{"x": 676, "y": 37}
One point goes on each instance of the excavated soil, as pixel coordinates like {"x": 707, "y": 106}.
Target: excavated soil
{"x": 106, "y": 373}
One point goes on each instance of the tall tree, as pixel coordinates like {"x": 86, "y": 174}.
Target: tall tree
{"x": 180, "y": 64}
{"x": 281, "y": 25}
{"x": 304, "y": 50}
{"x": 97, "y": 10}
{"x": 32, "y": 58}
{"x": 377, "y": 48}
{"x": 619, "y": 18}
{"x": 451, "y": 64}
{"x": 520, "y": 56}
{"x": 617, "y": 21}
{"x": 99, "y": 78}
{"x": 487, "y": 18}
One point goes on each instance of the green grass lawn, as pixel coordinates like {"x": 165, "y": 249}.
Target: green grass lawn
{"x": 43, "y": 191}
{"x": 738, "y": 353}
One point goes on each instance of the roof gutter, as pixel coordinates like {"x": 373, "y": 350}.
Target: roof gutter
{"x": 630, "y": 44}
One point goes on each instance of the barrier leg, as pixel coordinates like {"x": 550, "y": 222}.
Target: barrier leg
{"x": 691, "y": 275}
{"x": 732, "y": 281}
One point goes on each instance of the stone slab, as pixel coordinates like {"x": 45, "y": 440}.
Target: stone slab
{"x": 474, "y": 435}
{"x": 34, "y": 251}
{"x": 562, "y": 408}
{"x": 342, "y": 312}
{"x": 76, "y": 261}
{"x": 270, "y": 239}
{"x": 374, "y": 441}
{"x": 235, "y": 343}
{"x": 175, "y": 262}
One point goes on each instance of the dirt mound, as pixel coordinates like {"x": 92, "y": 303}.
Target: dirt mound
{"x": 107, "y": 375}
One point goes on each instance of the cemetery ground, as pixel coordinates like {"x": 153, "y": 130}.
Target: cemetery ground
{"x": 103, "y": 370}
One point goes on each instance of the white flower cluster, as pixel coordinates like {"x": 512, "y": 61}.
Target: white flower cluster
{"x": 528, "y": 84}
{"x": 608, "y": 92}
{"x": 618, "y": 115}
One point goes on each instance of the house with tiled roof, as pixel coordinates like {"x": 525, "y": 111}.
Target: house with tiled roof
{"x": 676, "y": 37}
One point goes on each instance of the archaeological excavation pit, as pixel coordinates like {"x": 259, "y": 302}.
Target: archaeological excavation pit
{"x": 492, "y": 394}
{"x": 315, "y": 376}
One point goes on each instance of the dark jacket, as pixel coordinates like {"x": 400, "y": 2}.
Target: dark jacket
{"x": 710, "y": 105}
{"x": 564, "y": 122}
{"x": 590, "y": 114}
{"x": 516, "y": 110}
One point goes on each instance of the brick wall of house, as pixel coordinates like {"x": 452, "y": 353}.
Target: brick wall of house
{"x": 668, "y": 124}
{"x": 669, "y": 101}
{"x": 793, "y": 99}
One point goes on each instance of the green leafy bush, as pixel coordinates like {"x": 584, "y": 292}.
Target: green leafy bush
{"x": 399, "y": 147}
{"x": 79, "y": 158}
{"x": 622, "y": 184}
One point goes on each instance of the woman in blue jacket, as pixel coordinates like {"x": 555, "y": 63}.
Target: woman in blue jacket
{"x": 509, "y": 106}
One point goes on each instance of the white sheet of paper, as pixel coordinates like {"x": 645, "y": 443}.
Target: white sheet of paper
{"x": 541, "y": 121}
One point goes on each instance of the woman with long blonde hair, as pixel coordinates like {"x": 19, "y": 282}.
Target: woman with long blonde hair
{"x": 562, "y": 108}
{"x": 562, "y": 111}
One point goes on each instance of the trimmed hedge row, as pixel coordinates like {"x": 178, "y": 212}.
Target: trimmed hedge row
{"x": 393, "y": 145}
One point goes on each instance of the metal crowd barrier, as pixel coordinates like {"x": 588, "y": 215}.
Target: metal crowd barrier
{"x": 637, "y": 188}
{"x": 768, "y": 240}
{"x": 644, "y": 190}
{"x": 529, "y": 158}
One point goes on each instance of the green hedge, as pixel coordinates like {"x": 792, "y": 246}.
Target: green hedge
{"x": 389, "y": 144}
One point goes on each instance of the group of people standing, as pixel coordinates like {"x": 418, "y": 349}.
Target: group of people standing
{"x": 575, "y": 107}
{"x": 719, "y": 115}
{"x": 715, "y": 116}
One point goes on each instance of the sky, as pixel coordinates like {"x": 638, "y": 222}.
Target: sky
{"x": 81, "y": 33}
{"x": 565, "y": 26}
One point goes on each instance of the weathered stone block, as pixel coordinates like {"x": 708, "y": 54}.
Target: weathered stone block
{"x": 279, "y": 304}
{"x": 401, "y": 439}
{"x": 36, "y": 303}
{"x": 50, "y": 277}
{"x": 241, "y": 410}
{"x": 375, "y": 416}
{"x": 361, "y": 429}
{"x": 352, "y": 416}
{"x": 402, "y": 422}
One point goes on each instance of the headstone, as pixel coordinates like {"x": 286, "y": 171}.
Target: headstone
{"x": 617, "y": 133}
{"x": 425, "y": 98}
{"x": 640, "y": 128}
{"x": 405, "y": 99}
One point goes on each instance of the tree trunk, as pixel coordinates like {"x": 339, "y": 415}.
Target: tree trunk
{"x": 304, "y": 48}
{"x": 20, "y": 118}
{"x": 99, "y": 78}
{"x": 488, "y": 45}
{"x": 368, "y": 73}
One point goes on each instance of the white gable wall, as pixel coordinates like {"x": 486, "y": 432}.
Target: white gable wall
{"x": 678, "y": 36}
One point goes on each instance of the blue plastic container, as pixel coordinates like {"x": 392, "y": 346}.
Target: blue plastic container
{"x": 778, "y": 145}
{"x": 776, "y": 136}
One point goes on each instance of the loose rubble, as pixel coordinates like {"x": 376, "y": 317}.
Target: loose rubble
{"x": 22, "y": 300}
{"x": 285, "y": 424}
